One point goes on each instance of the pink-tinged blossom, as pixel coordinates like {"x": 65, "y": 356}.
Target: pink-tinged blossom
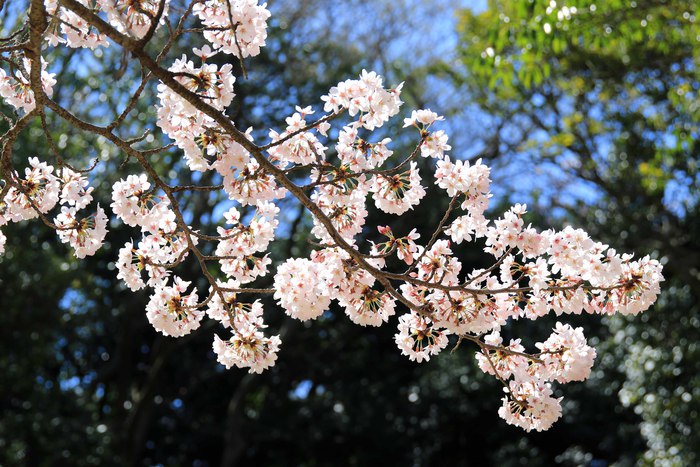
{"x": 463, "y": 228}
{"x": 136, "y": 204}
{"x": 501, "y": 362}
{"x": 439, "y": 265}
{"x": 230, "y": 155}
{"x": 537, "y": 306}
{"x": 15, "y": 88}
{"x": 366, "y": 97}
{"x": 172, "y": 312}
{"x": 419, "y": 338}
{"x": 505, "y": 232}
{"x": 156, "y": 252}
{"x": 406, "y": 247}
{"x": 245, "y": 240}
{"x": 347, "y": 217}
{"x": 529, "y": 404}
{"x": 303, "y": 148}
{"x": 435, "y": 145}
{"x": 252, "y": 184}
{"x": 639, "y": 286}
{"x": 422, "y": 119}
{"x": 358, "y": 154}
{"x": 70, "y": 29}
{"x": 572, "y": 301}
{"x": 212, "y": 148}
{"x": 298, "y": 289}
{"x": 236, "y": 27}
{"x": 3, "y": 240}
{"x": 537, "y": 273}
{"x": 129, "y": 266}
{"x": 335, "y": 269}
{"x": 396, "y": 194}
{"x": 472, "y": 182}
{"x": 566, "y": 355}
{"x": 569, "y": 250}
{"x": 75, "y": 189}
{"x": 339, "y": 186}
{"x": 340, "y": 278}
{"x": 369, "y": 307}
{"x": 245, "y": 269}
{"x": 231, "y": 312}
{"x": 182, "y": 121}
{"x": 531, "y": 243}
{"x": 462, "y": 313}
{"x": 132, "y": 16}
{"x": 247, "y": 348}
{"x": 461, "y": 177}
{"x": 84, "y": 234}
{"x": 39, "y": 191}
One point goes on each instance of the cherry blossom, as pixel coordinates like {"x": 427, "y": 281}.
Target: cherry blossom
{"x": 15, "y": 88}
{"x": 422, "y": 119}
{"x": 566, "y": 354}
{"x": 530, "y": 405}
{"x": 418, "y": 337}
{"x": 369, "y": 307}
{"x": 84, "y": 234}
{"x": 75, "y": 189}
{"x": 71, "y": 29}
{"x": 237, "y": 27}
{"x": 298, "y": 291}
{"x": 37, "y": 193}
{"x": 247, "y": 348}
{"x": 173, "y": 313}
{"x": 398, "y": 193}
{"x": 302, "y": 147}
{"x": 366, "y": 96}
{"x": 130, "y": 266}
{"x": 136, "y": 204}
{"x": 133, "y": 16}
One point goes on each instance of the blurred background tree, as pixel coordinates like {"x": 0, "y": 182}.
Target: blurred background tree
{"x": 604, "y": 125}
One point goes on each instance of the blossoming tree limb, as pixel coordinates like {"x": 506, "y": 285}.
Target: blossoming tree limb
{"x": 533, "y": 273}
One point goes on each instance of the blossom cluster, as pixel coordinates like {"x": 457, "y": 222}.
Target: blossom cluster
{"x": 236, "y": 27}
{"x": 564, "y": 356}
{"x": 68, "y": 28}
{"x": 41, "y": 190}
{"x": 248, "y": 347}
{"x": 181, "y": 121}
{"x": 15, "y": 87}
{"x": 335, "y": 166}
